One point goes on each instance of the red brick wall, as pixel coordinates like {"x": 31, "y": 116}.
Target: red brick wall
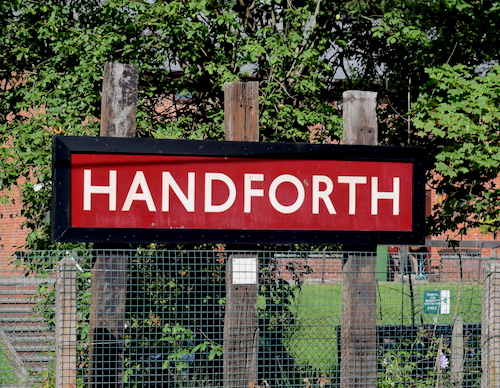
{"x": 473, "y": 235}
{"x": 12, "y": 235}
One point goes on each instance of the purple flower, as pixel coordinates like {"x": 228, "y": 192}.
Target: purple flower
{"x": 443, "y": 360}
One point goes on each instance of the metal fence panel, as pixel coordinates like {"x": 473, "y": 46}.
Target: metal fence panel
{"x": 186, "y": 323}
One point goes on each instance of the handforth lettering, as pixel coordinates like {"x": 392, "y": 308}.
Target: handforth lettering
{"x": 323, "y": 187}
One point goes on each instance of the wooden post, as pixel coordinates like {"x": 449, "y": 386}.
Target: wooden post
{"x": 360, "y": 118}
{"x": 241, "y": 323}
{"x": 457, "y": 353}
{"x": 119, "y": 100}
{"x": 490, "y": 328}
{"x": 358, "y": 364}
{"x": 241, "y": 331}
{"x": 107, "y": 319}
{"x": 66, "y": 324}
{"x": 109, "y": 275}
{"x": 241, "y": 111}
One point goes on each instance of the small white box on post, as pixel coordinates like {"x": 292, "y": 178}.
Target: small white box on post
{"x": 244, "y": 270}
{"x": 445, "y": 302}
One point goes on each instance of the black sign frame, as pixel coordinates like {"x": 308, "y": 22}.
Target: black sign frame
{"x": 64, "y": 146}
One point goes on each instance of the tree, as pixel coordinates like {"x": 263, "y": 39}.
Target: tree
{"x": 449, "y": 73}
{"x": 53, "y": 52}
{"x": 459, "y": 115}
{"x": 186, "y": 51}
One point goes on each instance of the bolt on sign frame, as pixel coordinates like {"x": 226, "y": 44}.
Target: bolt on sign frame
{"x": 189, "y": 191}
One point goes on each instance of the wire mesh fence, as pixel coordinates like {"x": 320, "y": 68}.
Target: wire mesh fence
{"x": 188, "y": 318}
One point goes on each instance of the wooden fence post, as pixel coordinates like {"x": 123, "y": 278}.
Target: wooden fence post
{"x": 490, "y": 328}
{"x": 66, "y": 324}
{"x": 119, "y": 100}
{"x": 109, "y": 275}
{"x": 360, "y": 117}
{"x": 241, "y": 323}
{"x": 241, "y": 111}
{"x": 241, "y": 330}
{"x": 358, "y": 364}
{"x": 457, "y": 353}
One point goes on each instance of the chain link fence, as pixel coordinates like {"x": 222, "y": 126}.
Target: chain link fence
{"x": 211, "y": 318}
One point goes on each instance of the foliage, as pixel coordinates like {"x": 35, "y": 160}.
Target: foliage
{"x": 459, "y": 115}
{"x": 397, "y": 370}
{"x": 400, "y": 369}
{"x": 443, "y": 98}
{"x": 53, "y": 53}
{"x": 424, "y": 359}
{"x": 424, "y": 35}
{"x": 8, "y": 374}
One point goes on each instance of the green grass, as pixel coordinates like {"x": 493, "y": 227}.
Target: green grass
{"x": 318, "y": 310}
{"x": 7, "y": 374}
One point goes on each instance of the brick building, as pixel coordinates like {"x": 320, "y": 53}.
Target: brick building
{"x": 12, "y": 234}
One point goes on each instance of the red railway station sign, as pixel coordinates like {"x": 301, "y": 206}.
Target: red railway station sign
{"x": 149, "y": 190}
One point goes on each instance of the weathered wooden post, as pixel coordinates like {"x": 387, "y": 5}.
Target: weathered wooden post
{"x": 241, "y": 324}
{"x": 241, "y": 111}
{"x": 490, "y": 328}
{"x": 358, "y": 364}
{"x": 109, "y": 275}
{"x": 119, "y": 100}
{"x": 457, "y": 353}
{"x": 66, "y": 324}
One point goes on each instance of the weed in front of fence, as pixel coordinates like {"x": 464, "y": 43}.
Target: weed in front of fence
{"x": 8, "y": 375}
{"x": 422, "y": 355}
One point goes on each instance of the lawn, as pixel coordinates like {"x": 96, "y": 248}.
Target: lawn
{"x": 318, "y": 310}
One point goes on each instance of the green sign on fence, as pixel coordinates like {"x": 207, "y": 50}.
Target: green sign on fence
{"x": 432, "y": 302}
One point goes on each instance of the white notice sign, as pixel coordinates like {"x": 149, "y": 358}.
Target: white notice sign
{"x": 244, "y": 270}
{"x": 445, "y": 302}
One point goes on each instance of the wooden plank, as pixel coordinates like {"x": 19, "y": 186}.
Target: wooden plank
{"x": 119, "y": 100}
{"x": 360, "y": 118}
{"x": 66, "y": 324}
{"x": 490, "y": 328}
{"x": 241, "y": 323}
{"x": 358, "y": 364}
{"x": 109, "y": 275}
{"x": 241, "y": 111}
{"x": 457, "y": 353}
{"x": 241, "y": 331}
{"x": 107, "y": 318}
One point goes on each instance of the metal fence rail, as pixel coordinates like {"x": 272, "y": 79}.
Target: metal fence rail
{"x": 184, "y": 320}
